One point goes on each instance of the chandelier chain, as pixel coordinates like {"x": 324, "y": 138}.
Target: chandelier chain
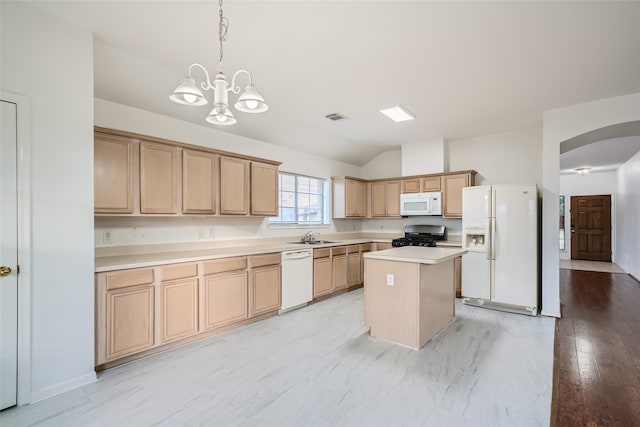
{"x": 223, "y": 26}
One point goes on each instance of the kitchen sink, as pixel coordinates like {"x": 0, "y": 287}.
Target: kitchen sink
{"x": 314, "y": 242}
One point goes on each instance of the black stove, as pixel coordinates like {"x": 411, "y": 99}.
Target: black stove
{"x": 420, "y": 235}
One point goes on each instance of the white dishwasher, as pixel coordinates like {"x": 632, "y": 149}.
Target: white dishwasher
{"x": 297, "y": 278}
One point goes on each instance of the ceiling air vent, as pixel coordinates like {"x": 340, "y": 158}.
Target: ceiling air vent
{"x": 335, "y": 117}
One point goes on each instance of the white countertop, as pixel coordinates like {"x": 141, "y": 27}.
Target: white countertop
{"x": 417, "y": 254}
{"x": 137, "y": 260}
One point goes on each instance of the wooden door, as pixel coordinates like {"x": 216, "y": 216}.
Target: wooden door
{"x": 393, "y": 198}
{"x": 265, "y": 289}
{"x": 321, "y": 276}
{"x": 591, "y": 228}
{"x": 159, "y": 168}
{"x": 113, "y": 174}
{"x": 178, "y": 308}
{"x": 198, "y": 182}
{"x": 339, "y": 268}
{"x": 234, "y": 186}
{"x": 264, "y": 189}
{"x": 225, "y": 298}
{"x": 452, "y": 186}
{"x": 129, "y": 320}
{"x": 378, "y": 198}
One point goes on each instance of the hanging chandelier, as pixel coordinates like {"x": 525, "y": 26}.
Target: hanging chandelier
{"x": 187, "y": 93}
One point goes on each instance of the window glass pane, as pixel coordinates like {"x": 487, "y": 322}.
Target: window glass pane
{"x": 561, "y": 234}
{"x": 301, "y": 199}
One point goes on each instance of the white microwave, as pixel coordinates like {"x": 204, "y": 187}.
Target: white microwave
{"x": 421, "y": 204}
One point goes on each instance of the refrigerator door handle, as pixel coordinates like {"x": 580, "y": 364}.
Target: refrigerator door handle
{"x": 488, "y": 239}
{"x": 493, "y": 238}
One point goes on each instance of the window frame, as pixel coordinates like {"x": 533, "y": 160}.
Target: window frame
{"x": 321, "y": 183}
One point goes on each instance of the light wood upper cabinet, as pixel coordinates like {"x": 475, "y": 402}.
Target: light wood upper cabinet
{"x": 429, "y": 184}
{"x": 178, "y": 308}
{"x": 385, "y": 198}
{"x": 113, "y": 174}
{"x": 199, "y": 182}
{"x": 393, "y": 198}
{"x": 159, "y": 176}
{"x": 349, "y": 197}
{"x": 411, "y": 185}
{"x": 234, "y": 186}
{"x": 264, "y": 189}
{"x": 452, "y": 186}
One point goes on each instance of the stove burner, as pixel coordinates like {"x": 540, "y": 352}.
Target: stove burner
{"x": 420, "y": 235}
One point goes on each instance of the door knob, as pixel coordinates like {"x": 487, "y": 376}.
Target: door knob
{"x": 573, "y": 230}
{"x": 5, "y": 271}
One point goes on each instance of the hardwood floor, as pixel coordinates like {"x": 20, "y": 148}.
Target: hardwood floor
{"x": 597, "y": 351}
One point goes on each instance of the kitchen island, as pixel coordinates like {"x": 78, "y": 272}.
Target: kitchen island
{"x": 409, "y": 293}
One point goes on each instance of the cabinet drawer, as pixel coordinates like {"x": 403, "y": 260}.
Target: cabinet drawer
{"x": 123, "y": 279}
{"x": 365, "y": 247}
{"x": 321, "y": 252}
{"x": 338, "y": 250}
{"x": 224, "y": 264}
{"x": 353, "y": 248}
{"x": 179, "y": 271}
{"x": 267, "y": 259}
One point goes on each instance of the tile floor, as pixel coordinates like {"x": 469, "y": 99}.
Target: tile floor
{"x": 604, "y": 267}
{"x": 319, "y": 367}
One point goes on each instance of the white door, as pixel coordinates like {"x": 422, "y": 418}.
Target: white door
{"x": 8, "y": 257}
{"x": 515, "y": 245}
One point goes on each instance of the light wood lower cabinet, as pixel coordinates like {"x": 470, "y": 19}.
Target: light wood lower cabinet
{"x": 457, "y": 275}
{"x": 225, "y": 298}
{"x": 340, "y": 268}
{"x": 129, "y": 320}
{"x": 265, "y": 284}
{"x": 178, "y": 309}
{"x": 354, "y": 270}
{"x": 322, "y": 276}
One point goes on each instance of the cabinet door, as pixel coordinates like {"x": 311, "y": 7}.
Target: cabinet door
{"x": 264, "y": 189}
{"x": 225, "y": 298}
{"x": 361, "y": 198}
{"x": 457, "y": 271}
{"x": 265, "y": 289}
{"x": 234, "y": 186}
{"x": 351, "y": 197}
{"x": 321, "y": 276}
{"x": 411, "y": 185}
{"x": 340, "y": 269}
{"x": 452, "y": 186}
{"x": 159, "y": 165}
{"x": 198, "y": 182}
{"x": 393, "y": 198}
{"x": 113, "y": 174}
{"x": 431, "y": 183}
{"x": 354, "y": 269}
{"x": 129, "y": 320}
{"x": 178, "y": 309}
{"x": 379, "y": 199}
{"x": 382, "y": 246}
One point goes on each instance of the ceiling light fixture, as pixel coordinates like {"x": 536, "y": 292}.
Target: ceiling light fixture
{"x": 398, "y": 113}
{"x": 187, "y": 93}
{"x": 583, "y": 171}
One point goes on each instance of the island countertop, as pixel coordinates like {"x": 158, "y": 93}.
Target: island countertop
{"x": 417, "y": 254}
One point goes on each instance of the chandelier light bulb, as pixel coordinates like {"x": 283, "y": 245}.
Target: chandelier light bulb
{"x": 221, "y": 118}
{"x": 251, "y": 104}
{"x": 189, "y": 98}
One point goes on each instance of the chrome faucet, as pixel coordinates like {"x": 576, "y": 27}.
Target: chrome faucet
{"x": 309, "y": 237}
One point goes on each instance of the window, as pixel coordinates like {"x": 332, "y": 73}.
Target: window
{"x": 302, "y": 200}
{"x": 562, "y": 242}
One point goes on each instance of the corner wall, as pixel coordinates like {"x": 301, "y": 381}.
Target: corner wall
{"x": 558, "y": 126}
{"x": 51, "y": 64}
{"x": 627, "y": 217}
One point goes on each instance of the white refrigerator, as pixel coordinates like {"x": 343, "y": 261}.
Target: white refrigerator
{"x": 500, "y": 233}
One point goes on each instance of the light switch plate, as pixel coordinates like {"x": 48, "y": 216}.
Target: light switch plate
{"x": 390, "y": 280}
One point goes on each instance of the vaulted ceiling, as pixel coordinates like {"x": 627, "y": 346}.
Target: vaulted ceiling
{"x": 463, "y": 68}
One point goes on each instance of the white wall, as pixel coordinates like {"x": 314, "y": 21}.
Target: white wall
{"x": 51, "y": 64}
{"x": 133, "y": 231}
{"x": 513, "y": 157}
{"x": 559, "y": 125}
{"x": 422, "y": 158}
{"x": 597, "y": 183}
{"x": 628, "y": 217}
{"x": 385, "y": 165}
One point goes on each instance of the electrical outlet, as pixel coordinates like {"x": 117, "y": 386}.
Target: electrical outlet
{"x": 202, "y": 234}
{"x": 107, "y": 236}
{"x": 390, "y": 280}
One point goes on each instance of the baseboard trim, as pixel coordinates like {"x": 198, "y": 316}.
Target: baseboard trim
{"x": 63, "y": 386}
